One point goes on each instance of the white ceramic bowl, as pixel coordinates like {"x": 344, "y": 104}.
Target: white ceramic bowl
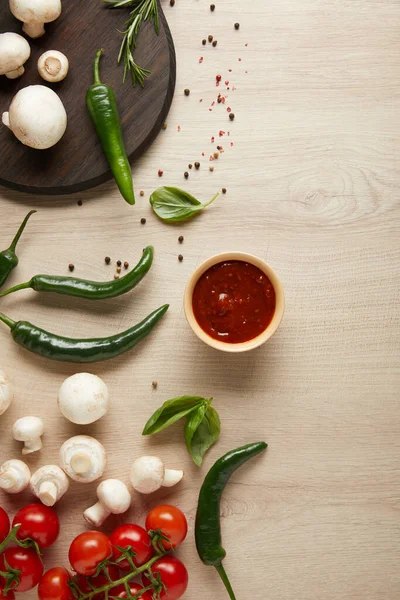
{"x": 276, "y": 319}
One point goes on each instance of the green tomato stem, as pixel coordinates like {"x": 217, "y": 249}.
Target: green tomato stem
{"x": 227, "y": 583}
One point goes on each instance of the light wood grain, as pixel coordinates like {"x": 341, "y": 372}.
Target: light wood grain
{"x": 313, "y": 187}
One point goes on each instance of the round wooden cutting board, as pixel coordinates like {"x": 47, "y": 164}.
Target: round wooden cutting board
{"x": 77, "y": 161}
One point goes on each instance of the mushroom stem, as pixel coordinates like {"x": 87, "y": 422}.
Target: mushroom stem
{"x": 16, "y": 73}
{"x": 81, "y": 463}
{"x": 48, "y": 493}
{"x": 32, "y": 446}
{"x": 96, "y": 514}
{"x": 172, "y": 477}
{"x": 6, "y": 119}
{"x": 34, "y": 30}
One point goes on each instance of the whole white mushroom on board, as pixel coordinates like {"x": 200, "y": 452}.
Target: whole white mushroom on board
{"x": 49, "y": 484}
{"x": 53, "y": 66}
{"x": 35, "y": 14}
{"x": 114, "y": 498}
{"x": 83, "y": 458}
{"x": 14, "y": 476}
{"x": 6, "y": 393}
{"x": 14, "y": 52}
{"x": 36, "y": 117}
{"x": 83, "y": 398}
{"x": 148, "y": 474}
{"x": 29, "y": 430}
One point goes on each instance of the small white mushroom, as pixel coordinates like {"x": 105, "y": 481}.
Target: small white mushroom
{"x": 14, "y": 52}
{"x": 49, "y": 484}
{"x": 36, "y": 117}
{"x": 83, "y": 458}
{"x": 53, "y": 66}
{"x": 148, "y": 474}
{"x": 114, "y": 498}
{"x": 29, "y": 430}
{"x": 83, "y": 398}
{"x": 14, "y": 476}
{"x": 6, "y": 393}
{"x": 35, "y": 13}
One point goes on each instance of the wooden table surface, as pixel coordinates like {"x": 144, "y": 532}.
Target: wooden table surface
{"x": 312, "y": 174}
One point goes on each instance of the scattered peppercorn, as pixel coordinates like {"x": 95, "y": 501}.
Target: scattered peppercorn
{"x": 71, "y": 267}
{"x": 116, "y": 276}
{"x": 154, "y": 385}
{"x": 219, "y": 99}
{"x": 237, "y": 25}
{"x": 187, "y": 92}
{"x": 197, "y": 165}
{"x": 216, "y": 154}
{"x": 141, "y": 192}
{"x": 186, "y": 175}
{"x": 190, "y": 166}
{"x": 118, "y": 269}
{"x": 231, "y": 116}
{"x": 180, "y": 239}
{"x": 224, "y": 190}
{"x": 212, "y": 7}
{"x": 160, "y": 173}
{"x": 210, "y": 38}
{"x": 218, "y": 77}
{"x": 180, "y": 258}
{"x": 219, "y": 147}
{"x": 172, "y": 2}
{"x": 164, "y": 126}
{"x": 143, "y": 221}
{"x": 211, "y": 169}
{"x": 204, "y": 42}
{"x": 119, "y": 263}
{"x": 107, "y": 260}
{"x": 126, "y": 264}
{"x": 79, "y": 203}
{"x": 214, "y": 43}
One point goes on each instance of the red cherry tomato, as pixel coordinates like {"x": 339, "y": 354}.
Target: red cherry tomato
{"x": 171, "y": 521}
{"x": 97, "y": 582}
{"x": 137, "y": 538}
{"x": 54, "y": 585}
{"x": 25, "y": 560}
{"x": 39, "y": 523}
{"x": 87, "y": 550}
{"x": 9, "y": 596}
{"x": 134, "y": 588}
{"x": 4, "y": 525}
{"x": 173, "y": 575}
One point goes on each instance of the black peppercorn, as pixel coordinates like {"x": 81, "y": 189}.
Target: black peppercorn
{"x": 231, "y": 116}
{"x": 180, "y": 239}
{"x": 107, "y": 260}
{"x": 237, "y": 25}
{"x": 71, "y": 267}
{"x": 79, "y": 203}
{"x": 224, "y": 190}
{"x": 214, "y": 43}
{"x": 180, "y": 258}
{"x": 197, "y": 165}
{"x": 190, "y": 166}
{"x": 204, "y": 42}
{"x": 126, "y": 265}
{"x": 210, "y": 38}
{"x": 172, "y": 2}
{"x": 186, "y": 175}
{"x": 143, "y": 221}
{"x": 187, "y": 92}
{"x": 212, "y": 7}
{"x": 119, "y": 263}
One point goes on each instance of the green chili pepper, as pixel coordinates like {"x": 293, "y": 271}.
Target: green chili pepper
{"x": 208, "y": 527}
{"x": 102, "y": 105}
{"x": 91, "y": 290}
{"x": 8, "y": 258}
{"x": 54, "y": 347}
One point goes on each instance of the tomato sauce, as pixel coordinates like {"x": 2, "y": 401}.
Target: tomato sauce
{"x": 234, "y": 301}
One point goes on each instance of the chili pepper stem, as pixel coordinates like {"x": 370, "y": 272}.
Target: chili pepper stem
{"x": 7, "y": 320}
{"x": 96, "y": 68}
{"x": 20, "y": 286}
{"x": 222, "y": 573}
{"x": 15, "y": 241}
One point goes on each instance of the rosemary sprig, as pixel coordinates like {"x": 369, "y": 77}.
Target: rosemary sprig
{"x": 143, "y": 10}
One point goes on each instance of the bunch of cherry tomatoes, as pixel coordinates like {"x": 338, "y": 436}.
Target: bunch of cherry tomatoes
{"x": 106, "y": 565}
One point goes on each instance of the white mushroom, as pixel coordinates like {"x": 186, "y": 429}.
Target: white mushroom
{"x": 83, "y": 458}
{"x": 148, "y": 474}
{"x": 14, "y": 52}
{"x": 49, "y": 484}
{"x": 83, "y": 398}
{"x": 14, "y": 476}
{"x": 114, "y": 498}
{"x": 36, "y": 117}
{"x": 6, "y": 393}
{"x": 35, "y": 13}
{"x": 29, "y": 430}
{"x": 53, "y": 66}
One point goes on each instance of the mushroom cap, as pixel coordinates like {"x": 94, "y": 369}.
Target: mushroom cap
{"x": 34, "y": 11}
{"x": 14, "y": 52}
{"x": 53, "y": 66}
{"x": 114, "y": 495}
{"x": 14, "y": 476}
{"x": 27, "y": 429}
{"x": 147, "y": 474}
{"x": 83, "y": 458}
{"x": 6, "y": 393}
{"x": 37, "y": 117}
{"x": 83, "y": 398}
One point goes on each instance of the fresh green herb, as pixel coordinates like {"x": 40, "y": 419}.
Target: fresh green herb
{"x": 143, "y": 10}
{"x": 202, "y": 427}
{"x": 173, "y": 205}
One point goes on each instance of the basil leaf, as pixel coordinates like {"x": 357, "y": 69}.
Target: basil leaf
{"x": 173, "y": 205}
{"x": 202, "y": 430}
{"x": 171, "y": 411}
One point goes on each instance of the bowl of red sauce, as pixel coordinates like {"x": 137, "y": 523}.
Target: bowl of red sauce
{"x": 234, "y": 302}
